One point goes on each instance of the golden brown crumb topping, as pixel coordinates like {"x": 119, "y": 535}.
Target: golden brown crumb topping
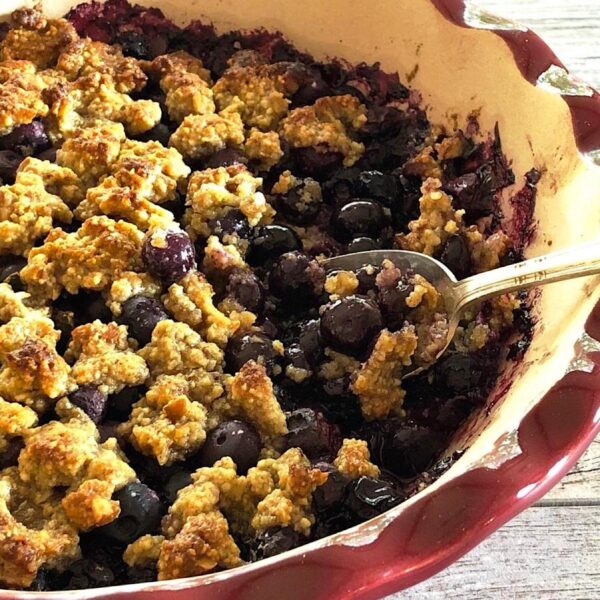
{"x": 377, "y": 384}
{"x": 191, "y": 301}
{"x": 176, "y": 349}
{"x": 341, "y": 283}
{"x": 213, "y": 192}
{"x": 327, "y": 125}
{"x": 27, "y": 212}
{"x": 85, "y": 56}
{"x": 104, "y": 357}
{"x": 353, "y": 460}
{"x": 438, "y": 220}
{"x": 89, "y": 258}
{"x": 201, "y": 135}
{"x": 15, "y": 421}
{"x": 33, "y": 373}
{"x": 35, "y": 38}
{"x": 90, "y": 152}
{"x": 251, "y": 397}
{"x": 58, "y": 181}
{"x": 203, "y": 543}
{"x": 166, "y": 424}
{"x": 264, "y": 148}
{"x": 256, "y": 93}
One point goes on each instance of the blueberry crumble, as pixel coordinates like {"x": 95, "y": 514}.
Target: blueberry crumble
{"x": 183, "y": 388}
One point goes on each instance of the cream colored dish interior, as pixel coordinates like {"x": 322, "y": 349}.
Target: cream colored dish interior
{"x": 459, "y": 70}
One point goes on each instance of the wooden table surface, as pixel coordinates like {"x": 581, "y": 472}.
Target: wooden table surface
{"x": 552, "y": 550}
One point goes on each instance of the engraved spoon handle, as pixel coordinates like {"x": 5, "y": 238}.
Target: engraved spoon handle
{"x": 576, "y": 261}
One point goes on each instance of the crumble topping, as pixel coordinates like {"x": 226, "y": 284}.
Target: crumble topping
{"x": 213, "y": 192}
{"x": 125, "y": 195}
{"x": 176, "y": 349}
{"x": 20, "y": 103}
{"x": 264, "y": 148}
{"x": 35, "y": 38}
{"x": 256, "y": 93}
{"x": 251, "y": 397}
{"x": 56, "y": 180}
{"x": 191, "y": 301}
{"x": 89, "y": 258}
{"x": 103, "y": 356}
{"x": 201, "y": 135}
{"x": 90, "y": 152}
{"x": 166, "y": 424}
{"x": 129, "y": 284}
{"x": 353, "y": 460}
{"x": 341, "y": 283}
{"x": 33, "y": 372}
{"x": 377, "y": 384}
{"x": 437, "y": 221}
{"x": 327, "y": 126}
{"x": 84, "y": 57}
{"x": 27, "y": 212}
{"x": 203, "y": 543}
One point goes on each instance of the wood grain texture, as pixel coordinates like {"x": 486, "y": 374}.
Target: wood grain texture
{"x": 544, "y": 554}
{"x": 552, "y": 550}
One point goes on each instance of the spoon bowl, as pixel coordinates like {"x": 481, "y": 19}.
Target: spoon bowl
{"x": 577, "y": 261}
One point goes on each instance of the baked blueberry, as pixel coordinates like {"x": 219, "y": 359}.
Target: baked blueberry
{"x": 119, "y": 405}
{"x": 168, "y": 254}
{"x": 26, "y": 139}
{"x": 246, "y": 288}
{"x": 455, "y": 255}
{"x": 410, "y": 450}
{"x": 367, "y": 277}
{"x": 134, "y": 44}
{"x": 233, "y": 222}
{"x": 271, "y": 241}
{"x": 91, "y": 401}
{"x": 301, "y": 204}
{"x": 368, "y": 497}
{"x": 141, "y": 510}
{"x": 383, "y": 187}
{"x": 9, "y": 163}
{"x": 330, "y": 495}
{"x": 141, "y": 314}
{"x": 10, "y": 455}
{"x": 159, "y": 133}
{"x": 362, "y": 244}
{"x": 473, "y": 192}
{"x": 226, "y": 157}
{"x": 237, "y": 439}
{"x": 296, "y": 279}
{"x": 275, "y": 541}
{"x": 251, "y": 346}
{"x": 350, "y": 324}
{"x": 9, "y": 272}
{"x": 176, "y": 482}
{"x": 313, "y": 162}
{"x": 310, "y": 431}
{"x": 359, "y": 218}
{"x": 86, "y": 573}
{"x": 458, "y": 372}
{"x": 392, "y": 301}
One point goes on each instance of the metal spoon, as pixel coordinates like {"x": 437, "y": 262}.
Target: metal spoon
{"x": 577, "y": 261}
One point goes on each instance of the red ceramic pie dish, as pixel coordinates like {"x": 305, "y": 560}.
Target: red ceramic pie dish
{"x": 544, "y": 411}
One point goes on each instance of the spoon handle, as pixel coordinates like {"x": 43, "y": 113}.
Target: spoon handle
{"x": 577, "y": 261}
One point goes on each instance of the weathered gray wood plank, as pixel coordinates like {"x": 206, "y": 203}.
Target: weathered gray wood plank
{"x": 551, "y": 551}
{"x": 582, "y": 483}
{"x": 544, "y": 554}
{"x": 571, "y": 28}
